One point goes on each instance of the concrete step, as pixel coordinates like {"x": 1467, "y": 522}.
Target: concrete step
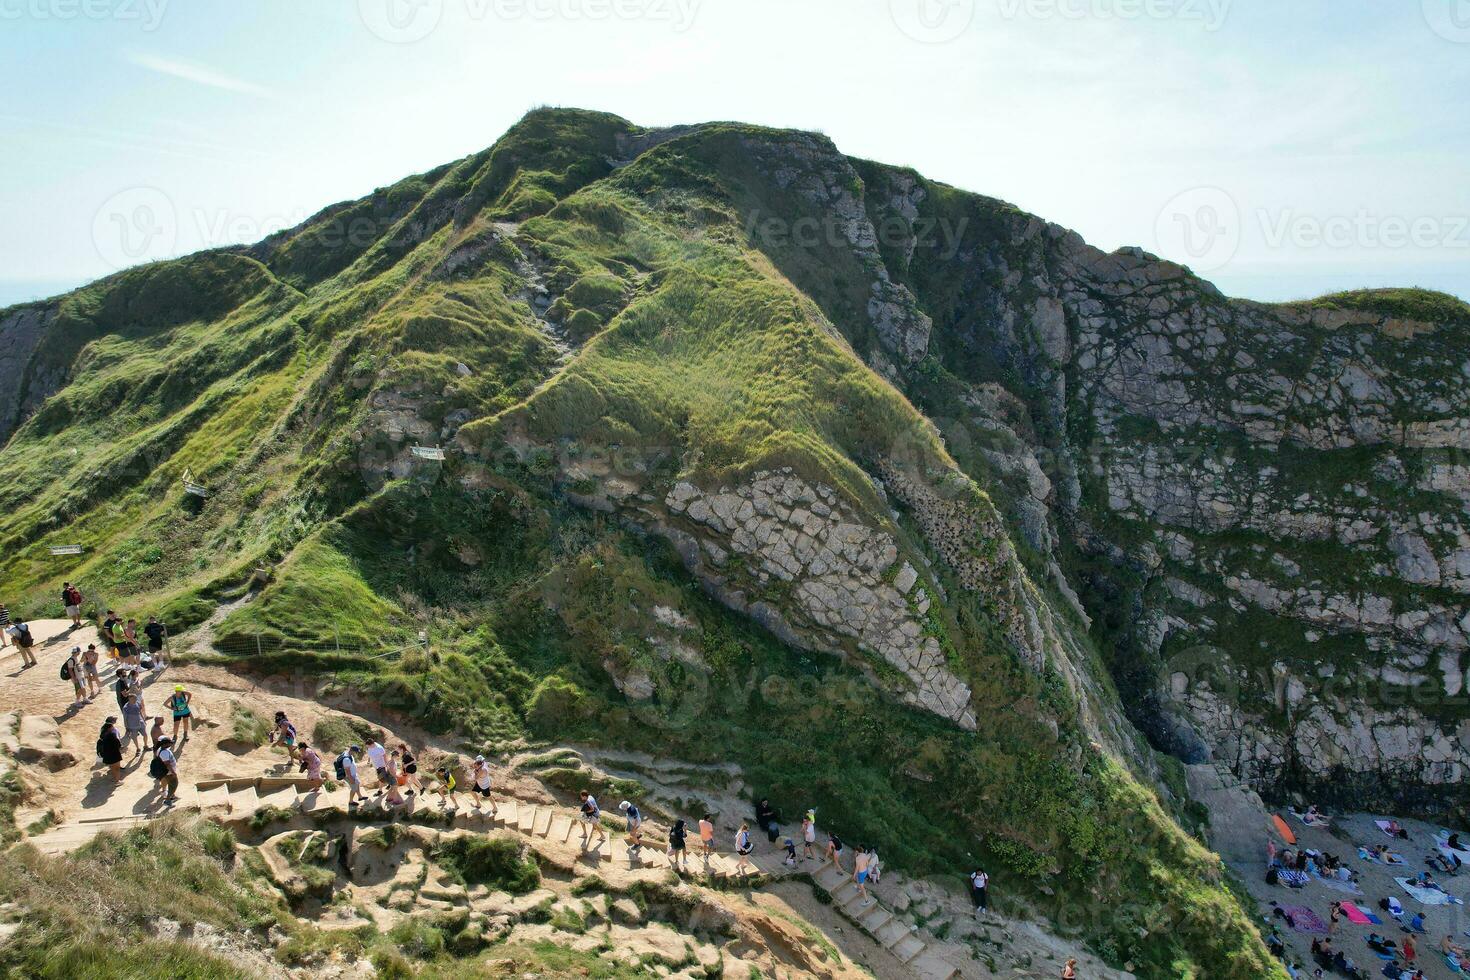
{"x": 215, "y": 799}
{"x": 508, "y": 813}
{"x": 908, "y": 948}
{"x": 875, "y": 918}
{"x": 281, "y": 796}
{"x": 543, "y": 822}
{"x": 243, "y": 800}
{"x": 561, "y": 825}
{"x": 829, "y": 877}
{"x": 526, "y": 819}
{"x": 891, "y": 933}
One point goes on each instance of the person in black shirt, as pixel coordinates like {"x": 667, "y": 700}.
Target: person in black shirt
{"x": 155, "y": 633}
{"x": 766, "y": 819}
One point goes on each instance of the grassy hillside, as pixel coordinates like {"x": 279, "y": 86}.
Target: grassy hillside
{"x": 559, "y": 322}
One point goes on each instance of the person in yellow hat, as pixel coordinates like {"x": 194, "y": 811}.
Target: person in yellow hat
{"x": 178, "y": 703}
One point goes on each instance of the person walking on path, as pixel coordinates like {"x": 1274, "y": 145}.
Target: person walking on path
{"x": 480, "y": 785}
{"x": 4, "y": 626}
{"x": 860, "y": 874}
{"x": 743, "y": 847}
{"x": 634, "y": 816}
{"x": 707, "y": 834}
{"x": 410, "y": 770}
{"x": 121, "y": 687}
{"x": 71, "y": 601}
{"x": 165, "y": 770}
{"x": 809, "y": 835}
{"x": 677, "y": 857}
{"x": 447, "y": 783}
{"x": 155, "y": 632}
{"x": 180, "y": 703}
{"x": 767, "y": 819}
{"x": 834, "y": 851}
{"x": 591, "y": 820}
{"x": 284, "y": 735}
{"x": 135, "y": 732}
{"x": 89, "y": 669}
{"x": 72, "y": 671}
{"x": 109, "y": 749}
{"x": 345, "y": 766}
{"x": 980, "y": 890}
{"x": 311, "y": 764}
{"x": 378, "y": 759}
{"x": 24, "y": 641}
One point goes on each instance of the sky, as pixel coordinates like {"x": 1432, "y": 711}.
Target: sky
{"x": 1281, "y": 149}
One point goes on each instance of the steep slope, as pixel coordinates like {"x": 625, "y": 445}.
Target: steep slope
{"x": 692, "y": 498}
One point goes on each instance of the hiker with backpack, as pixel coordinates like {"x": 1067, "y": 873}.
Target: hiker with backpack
{"x": 743, "y": 847}
{"x": 591, "y": 815}
{"x": 71, "y": 600}
{"x": 634, "y": 816}
{"x": 71, "y": 670}
{"x": 109, "y": 749}
{"x": 345, "y": 766}
{"x": 677, "y": 855}
{"x": 21, "y": 634}
{"x": 165, "y": 770}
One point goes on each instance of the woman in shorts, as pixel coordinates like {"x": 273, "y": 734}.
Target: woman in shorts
{"x": 410, "y": 769}
{"x": 677, "y": 834}
{"x": 480, "y": 784}
{"x": 180, "y": 704}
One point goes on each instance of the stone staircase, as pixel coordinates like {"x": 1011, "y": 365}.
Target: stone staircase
{"x": 237, "y": 801}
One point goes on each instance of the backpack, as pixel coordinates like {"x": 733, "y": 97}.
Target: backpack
{"x": 157, "y": 769}
{"x": 66, "y": 671}
{"x": 340, "y": 768}
{"x": 25, "y": 637}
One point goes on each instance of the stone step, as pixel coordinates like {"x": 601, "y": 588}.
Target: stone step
{"x": 543, "y": 822}
{"x": 243, "y": 800}
{"x": 829, "y": 877}
{"x": 875, "y": 917}
{"x": 908, "y": 948}
{"x": 508, "y": 813}
{"x": 214, "y": 800}
{"x": 281, "y": 796}
{"x": 561, "y": 826}
{"x": 891, "y": 933}
{"x": 527, "y": 818}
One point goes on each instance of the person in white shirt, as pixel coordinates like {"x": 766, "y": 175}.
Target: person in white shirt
{"x": 378, "y": 759}
{"x": 591, "y": 819}
{"x": 980, "y": 890}
{"x": 743, "y": 848}
{"x": 480, "y": 784}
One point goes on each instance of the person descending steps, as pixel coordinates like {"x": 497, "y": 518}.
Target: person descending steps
{"x": 345, "y": 766}
{"x": 707, "y": 834}
{"x": 809, "y": 835}
{"x": 591, "y": 819}
{"x": 678, "y": 858}
{"x": 743, "y": 847}
{"x": 480, "y": 785}
{"x": 634, "y": 817}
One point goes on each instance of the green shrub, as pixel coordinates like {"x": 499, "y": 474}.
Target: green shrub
{"x": 219, "y": 842}
{"x": 498, "y": 862}
{"x": 247, "y": 727}
{"x": 418, "y": 939}
{"x": 336, "y": 732}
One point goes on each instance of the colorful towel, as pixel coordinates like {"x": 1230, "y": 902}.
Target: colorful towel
{"x": 1360, "y": 916}
{"x": 1338, "y": 885}
{"x": 1427, "y": 896}
{"x": 1291, "y": 878}
{"x": 1303, "y": 919}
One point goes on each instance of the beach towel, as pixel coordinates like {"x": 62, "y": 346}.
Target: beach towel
{"x": 1383, "y": 825}
{"x": 1427, "y": 896}
{"x": 1337, "y": 885}
{"x": 1393, "y": 857}
{"x": 1360, "y": 916}
{"x": 1444, "y": 835}
{"x": 1303, "y": 919}
{"x": 1453, "y": 962}
{"x": 1292, "y": 879}
{"x": 1314, "y": 822}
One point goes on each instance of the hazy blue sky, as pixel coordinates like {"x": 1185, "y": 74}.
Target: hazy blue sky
{"x": 1281, "y": 148}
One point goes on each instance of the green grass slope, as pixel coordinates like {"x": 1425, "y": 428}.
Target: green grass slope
{"x": 546, "y": 312}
